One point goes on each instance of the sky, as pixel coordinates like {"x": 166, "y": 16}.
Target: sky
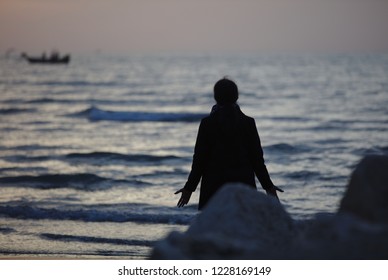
{"x": 194, "y": 25}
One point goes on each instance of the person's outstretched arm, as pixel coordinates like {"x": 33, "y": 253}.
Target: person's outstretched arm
{"x": 199, "y": 161}
{"x": 257, "y": 159}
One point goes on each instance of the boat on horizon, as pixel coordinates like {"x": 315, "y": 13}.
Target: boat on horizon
{"x": 54, "y": 58}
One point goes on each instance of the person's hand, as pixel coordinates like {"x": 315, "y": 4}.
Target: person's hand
{"x": 185, "y": 197}
{"x": 272, "y": 191}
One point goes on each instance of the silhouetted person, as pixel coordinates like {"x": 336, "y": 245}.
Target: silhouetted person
{"x": 54, "y": 56}
{"x": 227, "y": 149}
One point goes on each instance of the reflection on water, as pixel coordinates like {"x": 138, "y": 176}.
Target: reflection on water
{"x": 92, "y": 152}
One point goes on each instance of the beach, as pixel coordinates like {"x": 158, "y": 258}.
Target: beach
{"x": 92, "y": 152}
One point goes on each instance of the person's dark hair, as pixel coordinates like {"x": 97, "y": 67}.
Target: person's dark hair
{"x": 225, "y": 92}
{"x": 226, "y": 111}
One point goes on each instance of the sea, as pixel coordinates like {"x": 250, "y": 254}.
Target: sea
{"x": 92, "y": 152}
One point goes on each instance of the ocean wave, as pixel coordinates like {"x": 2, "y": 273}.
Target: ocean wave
{"x": 52, "y": 100}
{"x": 96, "y": 156}
{"x": 175, "y": 172}
{"x": 11, "y": 111}
{"x": 118, "y": 156}
{"x": 66, "y": 254}
{"x": 283, "y": 147}
{"x": 6, "y": 230}
{"x": 96, "y": 114}
{"x": 79, "y": 181}
{"x": 352, "y": 125}
{"x": 29, "y": 147}
{"x": 23, "y": 158}
{"x": 371, "y": 151}
{"x": 98, "y": 213}
{"x": 303, "y": 175}
{"x": 92, "y": 239}
{"x": 78, "y": 83}
{"x": 289, "y": 119}
{"x": 288, "y": 152}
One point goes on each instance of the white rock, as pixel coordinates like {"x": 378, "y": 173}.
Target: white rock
{"x": 238, "y": 222}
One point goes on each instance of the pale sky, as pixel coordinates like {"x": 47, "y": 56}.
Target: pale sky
{"x": 194, "y": 25}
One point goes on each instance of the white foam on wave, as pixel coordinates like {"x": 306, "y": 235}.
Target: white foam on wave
{"x": 118, "y": 213}
{"x": 96, "y": 114}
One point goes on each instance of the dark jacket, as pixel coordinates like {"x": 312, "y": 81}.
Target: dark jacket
{"x": 227, "y": 149}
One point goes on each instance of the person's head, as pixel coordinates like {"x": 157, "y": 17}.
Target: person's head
{"x": 225, "y": 92}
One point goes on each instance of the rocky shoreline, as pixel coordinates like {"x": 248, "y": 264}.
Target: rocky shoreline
{"x": 241, "y": 223}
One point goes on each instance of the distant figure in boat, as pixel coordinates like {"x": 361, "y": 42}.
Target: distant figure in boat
{"x": 54, "y": 58}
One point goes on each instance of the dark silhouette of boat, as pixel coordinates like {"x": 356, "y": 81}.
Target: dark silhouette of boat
{"x": 54, "y": 58}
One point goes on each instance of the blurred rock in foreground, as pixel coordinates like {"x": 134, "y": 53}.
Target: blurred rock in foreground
{"x": 241, "y": 223}
{"x": 367, "y": 193}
